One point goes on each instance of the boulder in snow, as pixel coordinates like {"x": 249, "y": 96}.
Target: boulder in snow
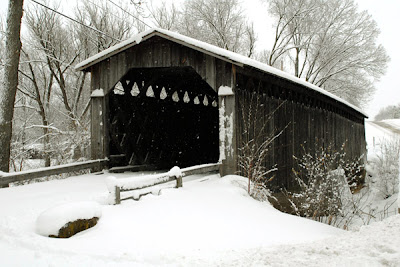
{"x": 66, "y": 220}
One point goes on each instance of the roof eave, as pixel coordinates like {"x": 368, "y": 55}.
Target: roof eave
{"x": 85, "y": 65}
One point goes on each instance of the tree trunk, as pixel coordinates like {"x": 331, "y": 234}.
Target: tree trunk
{"x": 10, "y": 79}
{"x": 297, "y": 63}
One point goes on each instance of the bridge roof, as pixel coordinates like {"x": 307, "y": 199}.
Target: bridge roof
{"x": 209, "y": 49}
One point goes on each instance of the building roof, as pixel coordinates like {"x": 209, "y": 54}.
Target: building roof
{"x": 209, "y": 49}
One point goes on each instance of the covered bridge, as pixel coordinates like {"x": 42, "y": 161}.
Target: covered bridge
{"x": 164, "y": 99}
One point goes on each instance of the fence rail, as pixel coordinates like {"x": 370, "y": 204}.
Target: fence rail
{"x": 116, "y": 186}
{"x": 7, "y": 178}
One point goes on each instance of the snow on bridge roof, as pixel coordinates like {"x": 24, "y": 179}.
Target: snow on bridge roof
{"x": 209, "y": 49}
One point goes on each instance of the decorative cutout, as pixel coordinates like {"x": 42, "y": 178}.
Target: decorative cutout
{"x": 150, "y": 92}
{"x": 196, "y": 100}
{"x": 135, "y": 90}
{"x": 175, "y": 97}
{"x": 215, "y": 104}
{"x": 119, "y": 89}
{"x": 186, "y": 97}
{"x": 142, "y": 83}
{"x": 205, "y": 101}
{"x": 163, "y": 94}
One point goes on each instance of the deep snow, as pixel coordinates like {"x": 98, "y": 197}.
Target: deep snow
{"x": 211, "y": 221}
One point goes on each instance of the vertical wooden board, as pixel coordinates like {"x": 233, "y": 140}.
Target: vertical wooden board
{"x": 203, "y": 66}
{"x": 157, "y": 54}
{"x": 114, "y": 71}
{"x": 298, "y": 133}
{"x": 106, "y": 129}
{"x": 281, "y": 141}
{"x": 140, "y": 55}
{"x": 95, "y": 79}
{"x": 183, "y": 57}
{"x": 95, "y": 128}
{"x": 122, "y": 66}
{"x": 271, "y": 128}
{"x": 210, "y": 73}
{"x": 147, "y": 55}
{"x": 338, "y": 131}
{"x": 103, "y": 73}
{"x": 132, "y": 57}
{"x": 175, "y": 57}
{"x": 197, "y": 63}
{"x": 166, "y": 54}
{"x": 313, "y": 139}
{"x": 106, "y": 76}
{"x": 224, "y": 73}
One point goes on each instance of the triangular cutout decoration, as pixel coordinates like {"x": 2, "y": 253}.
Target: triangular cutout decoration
{"x": 163, "y": 94}
{"x": 175, "y": 97}
{"x": 205, "y": 101}
{"x": 119, "y": 89}
{"x": 215, "y": 104}
{"x": 196, "y": 100}
{"x": 150, "y": 92}
{"x": 135, "y": 90}
{"x": 186, "y": 97}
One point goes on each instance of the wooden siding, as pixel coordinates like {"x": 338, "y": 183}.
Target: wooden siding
{"x": 307, "y": 122}
{"x": 156, "y": 53}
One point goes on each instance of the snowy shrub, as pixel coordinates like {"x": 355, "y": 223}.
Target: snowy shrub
{"x": 386, "y": 168}
{"x": 254, "y": 148}
{"x": 323, "y": 180}
{"x": 329, "y": 188}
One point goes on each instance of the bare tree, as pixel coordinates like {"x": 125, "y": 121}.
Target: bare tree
{"x": 165, "y": 16}
{"x": 221, "y": 23}
{"x": 37, "y": 86}
{"x": 388, "y": 112}
{"x": 330, "y": 44}
{"x": 10, "y": 79}
{"x": 57, "y": 91}
{"x": 114, "y": 21}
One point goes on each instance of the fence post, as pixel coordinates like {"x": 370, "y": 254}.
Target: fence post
{"x": 179, "y": 182}
{"x": 1, "y": 184}
{"x": 117, "y": 195}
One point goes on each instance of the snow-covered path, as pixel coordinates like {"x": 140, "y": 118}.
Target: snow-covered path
{"x": 209, "y": 222}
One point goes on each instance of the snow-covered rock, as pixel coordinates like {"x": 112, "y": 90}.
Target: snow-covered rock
{"x": 51, "y": 221}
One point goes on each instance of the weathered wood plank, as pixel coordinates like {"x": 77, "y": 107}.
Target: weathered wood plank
{"x": 7, "y": 178}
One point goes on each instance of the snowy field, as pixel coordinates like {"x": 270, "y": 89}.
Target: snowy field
{"x": 376, "y": 135}
{"x": 211, "y": 221}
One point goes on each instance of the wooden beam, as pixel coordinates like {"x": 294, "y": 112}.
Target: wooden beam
{"x": 13, "y": 177}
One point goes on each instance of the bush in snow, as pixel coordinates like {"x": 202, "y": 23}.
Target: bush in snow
{"x": 323, "y": 180}
{"x": 385, "y": 169}
{"x": 255, "y": 144}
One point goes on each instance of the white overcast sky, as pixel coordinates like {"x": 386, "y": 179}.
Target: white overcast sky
{"x": 385, "y": 12}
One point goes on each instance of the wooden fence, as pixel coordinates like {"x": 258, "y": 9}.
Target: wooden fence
{"x": 7, "y": 178}
{"x": 142, "y": 187}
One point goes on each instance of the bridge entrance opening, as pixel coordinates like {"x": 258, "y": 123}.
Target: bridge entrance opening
{"x": 163, "y": 117}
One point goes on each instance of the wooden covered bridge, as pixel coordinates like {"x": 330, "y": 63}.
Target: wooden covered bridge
{"x": 164, "y": 99}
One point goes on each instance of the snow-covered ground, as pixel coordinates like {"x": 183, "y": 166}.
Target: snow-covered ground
{"x": 211, "y": 221}
{"x": 376, "y": 134}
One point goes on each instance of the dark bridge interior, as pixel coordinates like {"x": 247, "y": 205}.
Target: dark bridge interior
{"x": 164, "y": 117}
